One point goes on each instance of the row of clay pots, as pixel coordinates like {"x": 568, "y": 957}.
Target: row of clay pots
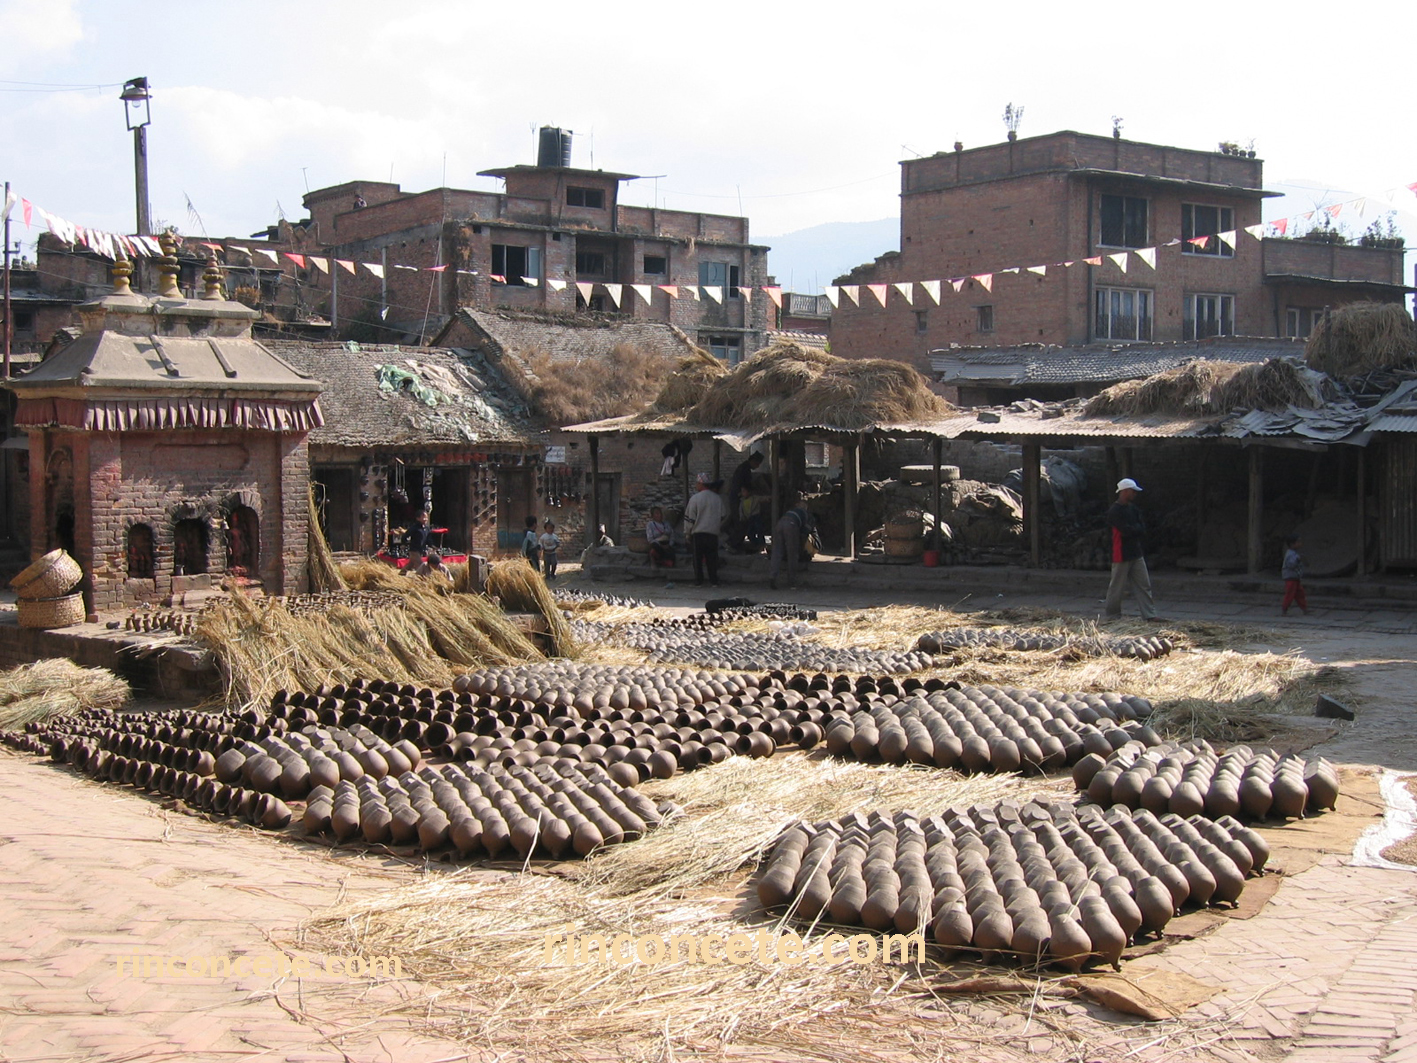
{"x": 294, "y": 764}
{"x": 1142, "y": 647}
{"x": 1046, "y": 884}
{"x": 504, "y": 811}
{"x": 1190, "y": 778}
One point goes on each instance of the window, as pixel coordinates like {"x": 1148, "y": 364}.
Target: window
{"x": 728, "y": 348}
{"x": 922, "y": 321}
{"x": 189, "y": 547}
{"x": 516, "y": 264}
{"x": 592, "y": 262}
{"x": 1301, "y": 320}
{"x": 816, "y": 455}
{"x": 140, "y": 551}
{"x": 1206, "y": 221}
{"x": 984, "y": 319}
{"x": 1123, "y": 314}
{"x": 1123, "y": 221}
{"x": 1209, "y": 315}
{"x": 656, "y": 265}
{"x": 585, "y": 197}
{"x": 719, "y": 275}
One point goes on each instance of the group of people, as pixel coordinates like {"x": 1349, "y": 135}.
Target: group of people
{"x": 541, "y": 550}
{"x": 708, "y": 518}
{"x": 417, "y": 541}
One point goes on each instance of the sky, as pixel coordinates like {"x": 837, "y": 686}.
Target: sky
{"x": 794, "y": 114}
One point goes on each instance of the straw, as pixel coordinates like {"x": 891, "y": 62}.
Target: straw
{"x": 56, "y": 687}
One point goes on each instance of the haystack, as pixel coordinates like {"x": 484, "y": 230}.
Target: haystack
{"x": 690, "y": 382}
{"x": 787, "y": 383}
{"x": 1205, "y": 388}
{"x": 572, "y": 390}
{"x": 54, "y": 687}
{"x": 1362, "y": 337}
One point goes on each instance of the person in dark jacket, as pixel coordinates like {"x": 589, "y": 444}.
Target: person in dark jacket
{"x": 1293, "y": 575}
{"x": 1128, "y": 553}
{"x": 418, "y": 536}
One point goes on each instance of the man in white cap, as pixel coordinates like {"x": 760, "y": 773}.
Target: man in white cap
{"x": 1128, "y": 553}
{"x": 703, "y": 519}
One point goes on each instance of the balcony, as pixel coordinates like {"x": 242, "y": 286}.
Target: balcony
{"x": 1310, "y": 260}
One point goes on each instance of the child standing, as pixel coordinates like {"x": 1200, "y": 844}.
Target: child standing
{"x": 531, "y": 546}
{"x": 550, "y": 543}
{"x": 1293, "y": 573}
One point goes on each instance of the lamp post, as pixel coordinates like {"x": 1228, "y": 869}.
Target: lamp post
{"x": 137, "y": 110}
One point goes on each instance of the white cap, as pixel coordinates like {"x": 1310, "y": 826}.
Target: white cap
{"x": 1127, "y": 485}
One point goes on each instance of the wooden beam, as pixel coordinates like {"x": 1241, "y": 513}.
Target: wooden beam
{"x": 592, "y": 529}
{"x": 1255, "y": 523}
{"x": 850, "y": 485}
{"x": 773, "y": 450}
{"x": 718, "y": 461}
{"x": 1032, "y": 499}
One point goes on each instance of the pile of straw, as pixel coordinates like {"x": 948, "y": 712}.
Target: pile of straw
{"x": 1204, "y": 388}
{"x": 690, "y": 382}
{"x": 1361, "y": 337}
{"x": 573, "y": 390}
{"x": 324, "y": 573}
{"x": 787, "y": 383}
{"x": 55, "y": 687}
{"x": 521, "y": 589}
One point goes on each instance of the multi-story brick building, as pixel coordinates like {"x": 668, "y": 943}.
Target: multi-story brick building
{"x": 1069, "y": 197}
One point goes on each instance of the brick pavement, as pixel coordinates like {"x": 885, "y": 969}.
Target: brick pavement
{"x": 89, "y": 874}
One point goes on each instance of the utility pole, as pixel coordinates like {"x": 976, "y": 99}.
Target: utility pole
{"x": 8, "y": 329}
{"x": 137, "y": 111}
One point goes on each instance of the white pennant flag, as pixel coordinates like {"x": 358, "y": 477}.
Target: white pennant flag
{"x": 346, "y": 264}
{"x": 691, "y": 291}
{"x": 1257, "y": 231}
{"x": 1042, "y": 271}
{"x": 986, "y": 281}
{"x": 374, "y": 268}
{"x": 852, "y": 292}
{"x": 1361, "y": 205}
{"x": 614, "y": 291}
{"x": 713, "y": 291}
{"x": 1121, "y": 259}
{"x": 932, "y": 289}
{"x": 746, "y": 294}
{"x": 833, "y": 295}
{"x": 1147, "y": 255}
{"x": 269, "y": 254}
{"x": 555, "y": 286}
{"x": 1227, "y": 238}
{"x": 958, "y": 285}
{"x": 10, "y": 200}
{"x": 1011, "y": 269}
{"x": 879, "y": 291}
{"x": 907, "y": 289}
{"x": 322, "y": 264}
{"x": 645, "y": 292}
{"x": 532, "y": 282}
{"x": 585, "y": 289}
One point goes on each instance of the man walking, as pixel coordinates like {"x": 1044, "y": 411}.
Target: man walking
{"x": 1128, "y": 553}
{"x": 703, "y": 519}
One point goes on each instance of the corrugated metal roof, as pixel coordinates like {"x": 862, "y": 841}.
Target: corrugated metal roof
{"x": 1099, "y": 363}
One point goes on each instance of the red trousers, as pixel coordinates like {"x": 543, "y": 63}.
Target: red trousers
{"x": 1294, "y": 593}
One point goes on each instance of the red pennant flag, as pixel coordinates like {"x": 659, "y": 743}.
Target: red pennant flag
{"x": 28, "y": 208}
{"x": 1333, "y": 210}
{"x": 1411, "y": 188}
{"x": 1095, "y": 261}
{"x": 436, "y": 269}
{"x": 1281, "y": 226}
{"x": 299, "y": 260}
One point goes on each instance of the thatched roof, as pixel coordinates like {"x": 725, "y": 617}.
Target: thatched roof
{"x": 690, "y": 381}
{"x": 1361, "y": 337}
{"x": 788, "y": 384}
{"x": 1207, "y": 388}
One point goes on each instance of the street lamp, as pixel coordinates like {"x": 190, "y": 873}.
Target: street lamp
{"x": 137, "y": 110}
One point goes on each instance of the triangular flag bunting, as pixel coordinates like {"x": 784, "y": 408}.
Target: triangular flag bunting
{"x": 1361, "y": 206}
{"x": 645, "y": 292}
{"x": 1257, "y": 231}
{"x": 532, "y": 282}
{"x": 1120, "y": 258}
{"x": 1281, "y": 225}
{"x": 10, "y": 200}
{"x": 1042, "y": 271}
{"x": 932, "y": 289}
{"x": 555, "y": 286}
{"x": 775, "y": 294}
{"x": 1096, "y": 260}
{"x": 1066, "y": 264}
{"x": 1333, "y": 210}
{"x": 322, "y": 264}
{"x": 431, "y": 269}
{"x": 214, "y": 247}
{"x": 879, "y": 291}
{"x": 411, "y": 269}
{"x": 713, "y": 291}
{"x": 27, "y": 209}
{"x": 833, "y": 294}
{"x": 299, "y": 260}
{"x": 269, "y": 254}
{"x": 907, "y": 289}
{"x": 346, "y": 264}
{"x": 852, "y": 292}
{"x": 473, "y": 273}
{"x": 614, "y": 291}
{"x": 374, "y": 268}
{"x": 746, "y": 294}
{"x": 958, "y": 283}
{"x": 1011, "y": 269}
{"x": 690, "y": 291}
{"x": 986, "y": 281}
{"x": 1199, "y": 241}
{"x": 1147, "y": 255}
{"x": 1227, "y": 238}
{"x": 671, "y": 290}
{"x": 585, "y": 290}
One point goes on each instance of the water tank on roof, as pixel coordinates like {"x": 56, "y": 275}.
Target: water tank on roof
{"x": 554, "y": 148}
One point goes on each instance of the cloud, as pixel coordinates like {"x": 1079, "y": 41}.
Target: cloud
{"x": 38, "y": 27}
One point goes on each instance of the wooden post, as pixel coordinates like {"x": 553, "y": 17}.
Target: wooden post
{"x": 1032, "y": 478}
{"x": 688, "y": 491}
{"x": 773, "y": 450}
{"x": 850, "y": 484}
{"x": 937, "y": 451}
{"x": 1361, "y": 508}
{"x": 1126, "y": 463}
{"x": 591, "y": 532}
{"x": 1201, "y": 454}
{"x": 1256, "y": 509}
{"x": 718, "y": 464}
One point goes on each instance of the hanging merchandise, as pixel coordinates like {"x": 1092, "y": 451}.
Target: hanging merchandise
{"x": 428, "y": 489}
{"x": 399, "y": 492}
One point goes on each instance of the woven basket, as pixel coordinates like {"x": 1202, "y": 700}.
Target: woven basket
{"x": 53, "y": 575}
{"x": 905, "y": 547}
{"x": 51, "y": 612}
{"x": 905, "y": 529}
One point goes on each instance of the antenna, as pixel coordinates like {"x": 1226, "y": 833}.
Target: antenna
{"x": 1117, "y": 126}
{"x": 306, "y": 175}
{"x": 1012, "y": 117}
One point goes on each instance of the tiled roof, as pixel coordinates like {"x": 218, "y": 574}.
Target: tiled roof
{"x": 471, "y": 404}
{"x": 515, "y": 337}
{"x": 1097, "y": 363}
{"x": 806, "y": 339}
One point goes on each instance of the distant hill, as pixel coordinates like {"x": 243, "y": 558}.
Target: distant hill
{"x": 806, "y": 260}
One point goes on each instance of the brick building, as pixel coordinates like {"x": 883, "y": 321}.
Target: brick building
{"x": 1067, "y": 197}
{"x": 167, "y": 447}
